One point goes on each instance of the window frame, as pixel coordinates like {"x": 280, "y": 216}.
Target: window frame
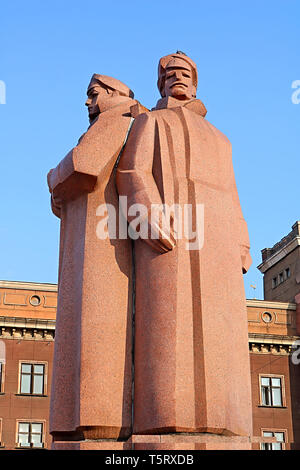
{"x": 31, "y": 422}
{"x": 2, "y": 376}
{"x": 32, "y": 363}
{"x": 287, "y": 273}
{"x": 281, "y": 277}
{"x": 274, "y": 282}
{"x": 282, "y": 389}
{"x": 1, "y": 429}
{"x": 273, "y": 431}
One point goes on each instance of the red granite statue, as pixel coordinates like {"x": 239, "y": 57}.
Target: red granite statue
{"x": 91, "y": 388}
{"x": 180, "y": 291}
{"x": 191, "y": 366}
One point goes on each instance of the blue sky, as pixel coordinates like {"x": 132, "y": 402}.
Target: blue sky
{"x": 247, "y": 55}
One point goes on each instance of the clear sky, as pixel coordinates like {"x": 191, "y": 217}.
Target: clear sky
{"x": 247, "y": 53}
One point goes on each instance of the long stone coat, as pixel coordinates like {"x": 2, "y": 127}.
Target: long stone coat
{"x": 91, "y": 387}
{"x": 191, "y": 358}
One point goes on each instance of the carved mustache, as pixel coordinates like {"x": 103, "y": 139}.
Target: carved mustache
{"x": 178, "y": 83}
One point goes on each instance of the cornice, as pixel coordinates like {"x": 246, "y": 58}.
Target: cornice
{"x": 279, "y": 255}
{"x": 272, "y": 339}
{"x": 27, "y": 328}
{"x": 37, "y": 286}
{"x": 273, "y": 344}
{"x": 270, "y": 304}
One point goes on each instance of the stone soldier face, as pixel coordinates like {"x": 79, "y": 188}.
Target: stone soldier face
{"x": 97, "y": 94}
{"x": 179, "y": 80}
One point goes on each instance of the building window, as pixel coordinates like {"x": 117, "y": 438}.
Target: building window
{"x": 283, "y": 276}
{"x": 287, "y": 273}
{"x": 30, "y": 434}
{"x": 32, "y": 379}
{"x": 271, "y": 388}
{"x": 35, "y": 300}
{"x": 1, "y": 377}
{"x": 279, "y": 445}
{"x": 1, "y": 443}
{"x": 267, "y": 317}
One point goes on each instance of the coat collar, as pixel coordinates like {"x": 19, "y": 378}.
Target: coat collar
{"x": 124, "y": 106}
{"x": 193, "y": 105}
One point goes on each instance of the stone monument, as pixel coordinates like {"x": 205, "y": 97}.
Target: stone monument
{"x": 187, "y": 384}
{"x": 92, "y": 357}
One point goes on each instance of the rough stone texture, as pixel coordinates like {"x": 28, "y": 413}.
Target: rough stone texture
{"x": 191, "y": 366}
{"x": 166, "y": 442}
{"x": 91, "y": 445}
{"x": 91, "y": 389}
{"x": 192, "y": 370}
{"x": 203, "y": 441}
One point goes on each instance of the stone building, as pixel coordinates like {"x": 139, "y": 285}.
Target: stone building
{"x": 281, "y": 267}
{"x": 273, "y": 337}
{"x": 275, "y": 372}
{"x": 27, "y": 326}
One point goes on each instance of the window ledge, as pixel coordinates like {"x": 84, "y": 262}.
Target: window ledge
{"x": 30, "y": 448}
{"x": 30, "y": 395}
{"x": 272, "y": 406}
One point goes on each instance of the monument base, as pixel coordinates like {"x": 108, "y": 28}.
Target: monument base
{"x": 201, "y": 441}
{"x": 91, "y": 445}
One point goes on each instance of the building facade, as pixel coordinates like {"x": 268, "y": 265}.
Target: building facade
{"x": 275, "y": 372}
{"x": 27, "y": 325}
{"x": 27, "y": 321}
{"x": 281, "y": 267}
